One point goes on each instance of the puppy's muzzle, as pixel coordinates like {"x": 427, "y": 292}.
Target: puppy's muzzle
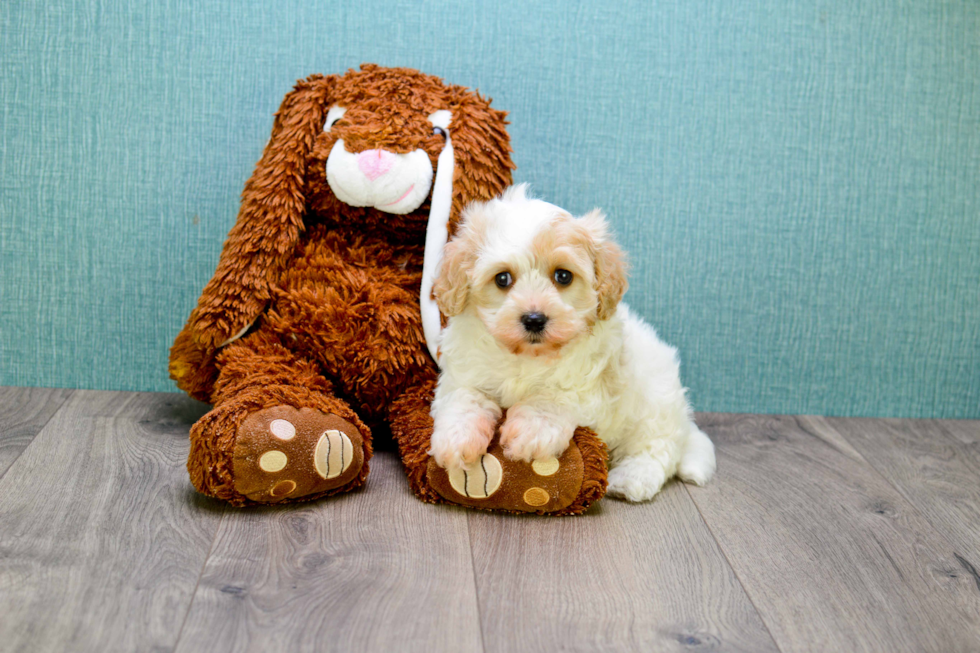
{"x": 534, "y": 322}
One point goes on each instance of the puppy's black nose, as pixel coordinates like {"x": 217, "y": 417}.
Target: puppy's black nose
{"x": 534, "y": 322}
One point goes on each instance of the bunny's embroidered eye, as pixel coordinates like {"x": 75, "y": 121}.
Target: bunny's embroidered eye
{"x": 503, "y": 280}
{"x": 333, "y": 115}
{"x": 562, "y": 277}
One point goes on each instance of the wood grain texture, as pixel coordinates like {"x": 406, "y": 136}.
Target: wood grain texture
{"x": 620, "y": 578}
{"x": 964, "y": 431}
{"x": 818, "y": 534}
{"x": 934, "y": 470}
{"x": 374, "y": 570}
{"x": 832, "y": 555}
{"x": 102, "y": 539}
{"x": 23, "y": 413}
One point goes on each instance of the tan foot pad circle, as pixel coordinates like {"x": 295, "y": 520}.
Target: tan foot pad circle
{"x": 286, "y": 453}
{"x": 273, "y": 461}
{"x": 498, "y": 483}
{"x": 536, "y": 497}
{"x": 546, "y": 466}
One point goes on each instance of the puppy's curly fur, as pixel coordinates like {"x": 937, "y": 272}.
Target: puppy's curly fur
{"x": 536, "y": 327}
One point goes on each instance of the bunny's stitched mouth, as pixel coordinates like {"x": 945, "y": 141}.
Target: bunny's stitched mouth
{"x": 410, "y": 189}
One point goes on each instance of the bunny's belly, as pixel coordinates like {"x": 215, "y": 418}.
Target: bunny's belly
{"x": 351, "y": 303}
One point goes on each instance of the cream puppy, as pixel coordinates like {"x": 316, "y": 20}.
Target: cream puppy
{"x": 536, "y": 327}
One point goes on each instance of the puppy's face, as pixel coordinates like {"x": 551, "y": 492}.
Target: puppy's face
{"x": 536, "y": 276}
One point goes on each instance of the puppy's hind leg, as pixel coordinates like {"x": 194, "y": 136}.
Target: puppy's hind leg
{"x": 698, "y": 462}
{"x": 637, "y": 478}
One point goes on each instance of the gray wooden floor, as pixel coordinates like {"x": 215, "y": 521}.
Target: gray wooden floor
{"x": 818, "y": 534}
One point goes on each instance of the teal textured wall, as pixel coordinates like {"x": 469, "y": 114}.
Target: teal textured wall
{"x": 797, "y": 181}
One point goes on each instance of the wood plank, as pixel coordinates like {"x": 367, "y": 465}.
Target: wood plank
{"x": 620, "y": 578}
{"x": 23, "y": 413}
{"x": 935, "y": 472}
{"x": 966, "y": 432}
{"x": 375, "y": 570}
{"x": 833, "y": 557}
{"x": 102, "y": 538}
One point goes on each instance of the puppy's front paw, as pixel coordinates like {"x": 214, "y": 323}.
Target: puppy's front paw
{"x": 459, "y": 443}
{"x": 529, "y": 434}
{"x": 636, "y": 479}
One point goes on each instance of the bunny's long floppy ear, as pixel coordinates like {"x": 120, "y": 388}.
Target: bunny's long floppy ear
{"x": 269, "y": 222}
{"x": 482, "y": 152}
{"x": 478, "y": 154}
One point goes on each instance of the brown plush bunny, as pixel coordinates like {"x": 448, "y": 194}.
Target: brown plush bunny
{"x": 312, "y": 332}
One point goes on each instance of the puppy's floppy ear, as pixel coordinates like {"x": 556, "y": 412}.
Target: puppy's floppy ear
{"x": 270, "y": 218}
{"x": 611, "y": 268}
{"x": 452, "y": 284}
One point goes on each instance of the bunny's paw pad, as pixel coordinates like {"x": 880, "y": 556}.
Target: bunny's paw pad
{"x": 284, "y": 452}
{"x": 498, "y": 483}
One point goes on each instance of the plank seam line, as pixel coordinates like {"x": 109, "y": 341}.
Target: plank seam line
{"x": 724, "y": 554}
{"x": 476, "y": 587}
{"x": 61, "y": 407}
{"x": 888, "y": 481}
{"x": 197, "y": 585}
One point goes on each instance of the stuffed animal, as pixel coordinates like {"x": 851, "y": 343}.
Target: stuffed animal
{"x": 313, "y": 332}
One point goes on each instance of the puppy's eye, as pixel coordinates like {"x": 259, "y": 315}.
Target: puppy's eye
{"x": 439, "y": 131}
{"x": 563, "y": 277}
{"x": 503, "y": 280}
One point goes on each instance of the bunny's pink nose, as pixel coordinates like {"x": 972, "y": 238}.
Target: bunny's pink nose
{"x": 374, "y": 163}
